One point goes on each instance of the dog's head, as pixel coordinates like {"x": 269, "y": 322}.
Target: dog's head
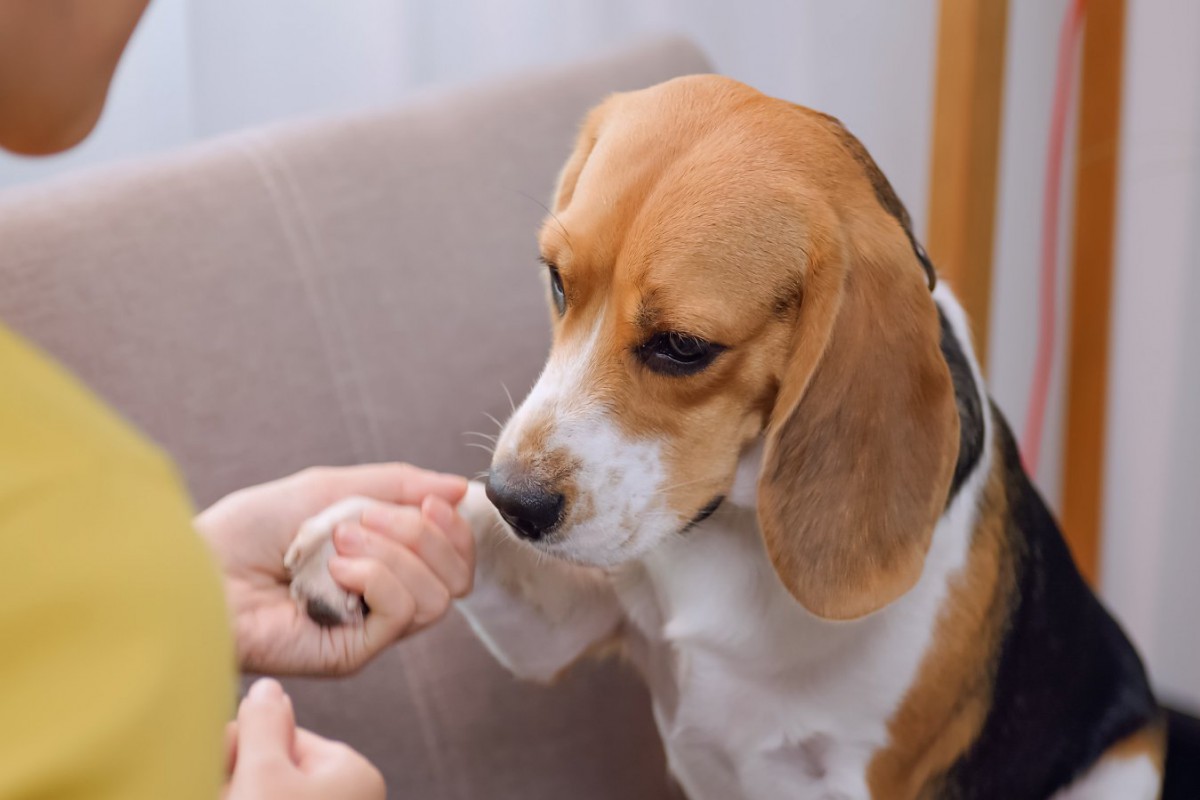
{"x": 724, "y": 267}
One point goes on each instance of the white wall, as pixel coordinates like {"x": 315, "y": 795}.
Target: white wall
{"x": 202, "y": 67}
{"x": 1151, "y": 570}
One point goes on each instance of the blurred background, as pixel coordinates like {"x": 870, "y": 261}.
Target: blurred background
{"x": 197, "y": 69}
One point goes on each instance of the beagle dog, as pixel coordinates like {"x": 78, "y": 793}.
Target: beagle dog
{"x": 762, "y": 462}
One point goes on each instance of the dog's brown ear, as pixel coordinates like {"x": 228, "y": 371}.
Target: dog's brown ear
{"x": 863, "y": 437}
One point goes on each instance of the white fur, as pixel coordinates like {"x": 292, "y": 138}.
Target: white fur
{"x": 621, "y": 479}
{"x": 957, "y": 317}
{"x": 1114, "y": 778}
{"x": 535, "y": 614}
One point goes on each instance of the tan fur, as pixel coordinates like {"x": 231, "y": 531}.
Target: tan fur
{"x": 943, "y": 713}
{"x": 764, "y": 231}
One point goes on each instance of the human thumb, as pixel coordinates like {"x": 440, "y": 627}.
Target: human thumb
{"x": 266, "y": 723}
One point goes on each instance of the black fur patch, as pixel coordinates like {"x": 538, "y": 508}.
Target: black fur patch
{"x": 1068, "y": 684}
{"x": 1181, "y": 776}
{"x": 970, "y": 408}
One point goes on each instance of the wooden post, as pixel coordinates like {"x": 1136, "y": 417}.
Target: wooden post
{"x": 966, "y": 144}
{"x": 1091, "y": 281}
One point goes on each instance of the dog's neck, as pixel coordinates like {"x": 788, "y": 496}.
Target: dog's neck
{"x": 715, "y": 588}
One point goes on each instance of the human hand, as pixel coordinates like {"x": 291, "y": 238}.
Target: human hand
{"x": 272, "y": 759}
{"x": 408, "y": 563}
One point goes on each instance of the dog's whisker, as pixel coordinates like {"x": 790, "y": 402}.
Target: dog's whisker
{"x": 681, "y": 485}
{"x": 512, "y": 405}
{"x": 493, "y": 438}
{"x": 482, "y": 446}
{"x": 498, "y": 423}
{"x": 553, "y": 216}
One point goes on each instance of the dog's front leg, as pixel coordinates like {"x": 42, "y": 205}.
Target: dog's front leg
{"x": 536, "y": 614}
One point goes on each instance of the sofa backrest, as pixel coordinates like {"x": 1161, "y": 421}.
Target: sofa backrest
{"x": 338, "y": 291}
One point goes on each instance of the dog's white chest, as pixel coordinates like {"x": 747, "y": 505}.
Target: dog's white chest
{"x": 729, "y": 739}
{"x": 754, "y": 697}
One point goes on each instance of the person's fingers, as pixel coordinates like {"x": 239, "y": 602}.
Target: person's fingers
{"x": 419, "y": 532}
{"x": 312, "y": 749}
{"x": 266, "y": 724}
{"x": 401, "y": 523}
{"x": 393, "y": 607}
{"x": 457, "y": 530}
{"x": 395, "y": 483}
{"x": 430, "y": 594}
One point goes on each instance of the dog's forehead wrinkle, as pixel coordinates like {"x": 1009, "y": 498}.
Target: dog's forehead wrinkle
{"x": 604, "y": 196}
{"x": 651, "y": 198}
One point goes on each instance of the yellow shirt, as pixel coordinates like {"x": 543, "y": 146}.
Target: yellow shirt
{"x": 116, "y": 666}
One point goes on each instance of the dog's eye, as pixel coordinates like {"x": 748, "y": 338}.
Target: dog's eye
{"x": 556, "y": 290}
{"x": 674, "y": 353}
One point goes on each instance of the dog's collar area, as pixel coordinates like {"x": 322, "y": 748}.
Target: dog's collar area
{"x": 704, "y": 513}
{"x": 969, "y": 405}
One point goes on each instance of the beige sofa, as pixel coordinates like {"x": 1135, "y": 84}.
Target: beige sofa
{"x": 339, "y": 291}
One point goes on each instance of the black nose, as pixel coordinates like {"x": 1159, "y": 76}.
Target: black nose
{"x": 529, "y": 507}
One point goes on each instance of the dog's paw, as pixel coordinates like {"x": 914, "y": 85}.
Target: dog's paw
{"x": 307, "y": 563}
{"x": 479, "y": 513}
